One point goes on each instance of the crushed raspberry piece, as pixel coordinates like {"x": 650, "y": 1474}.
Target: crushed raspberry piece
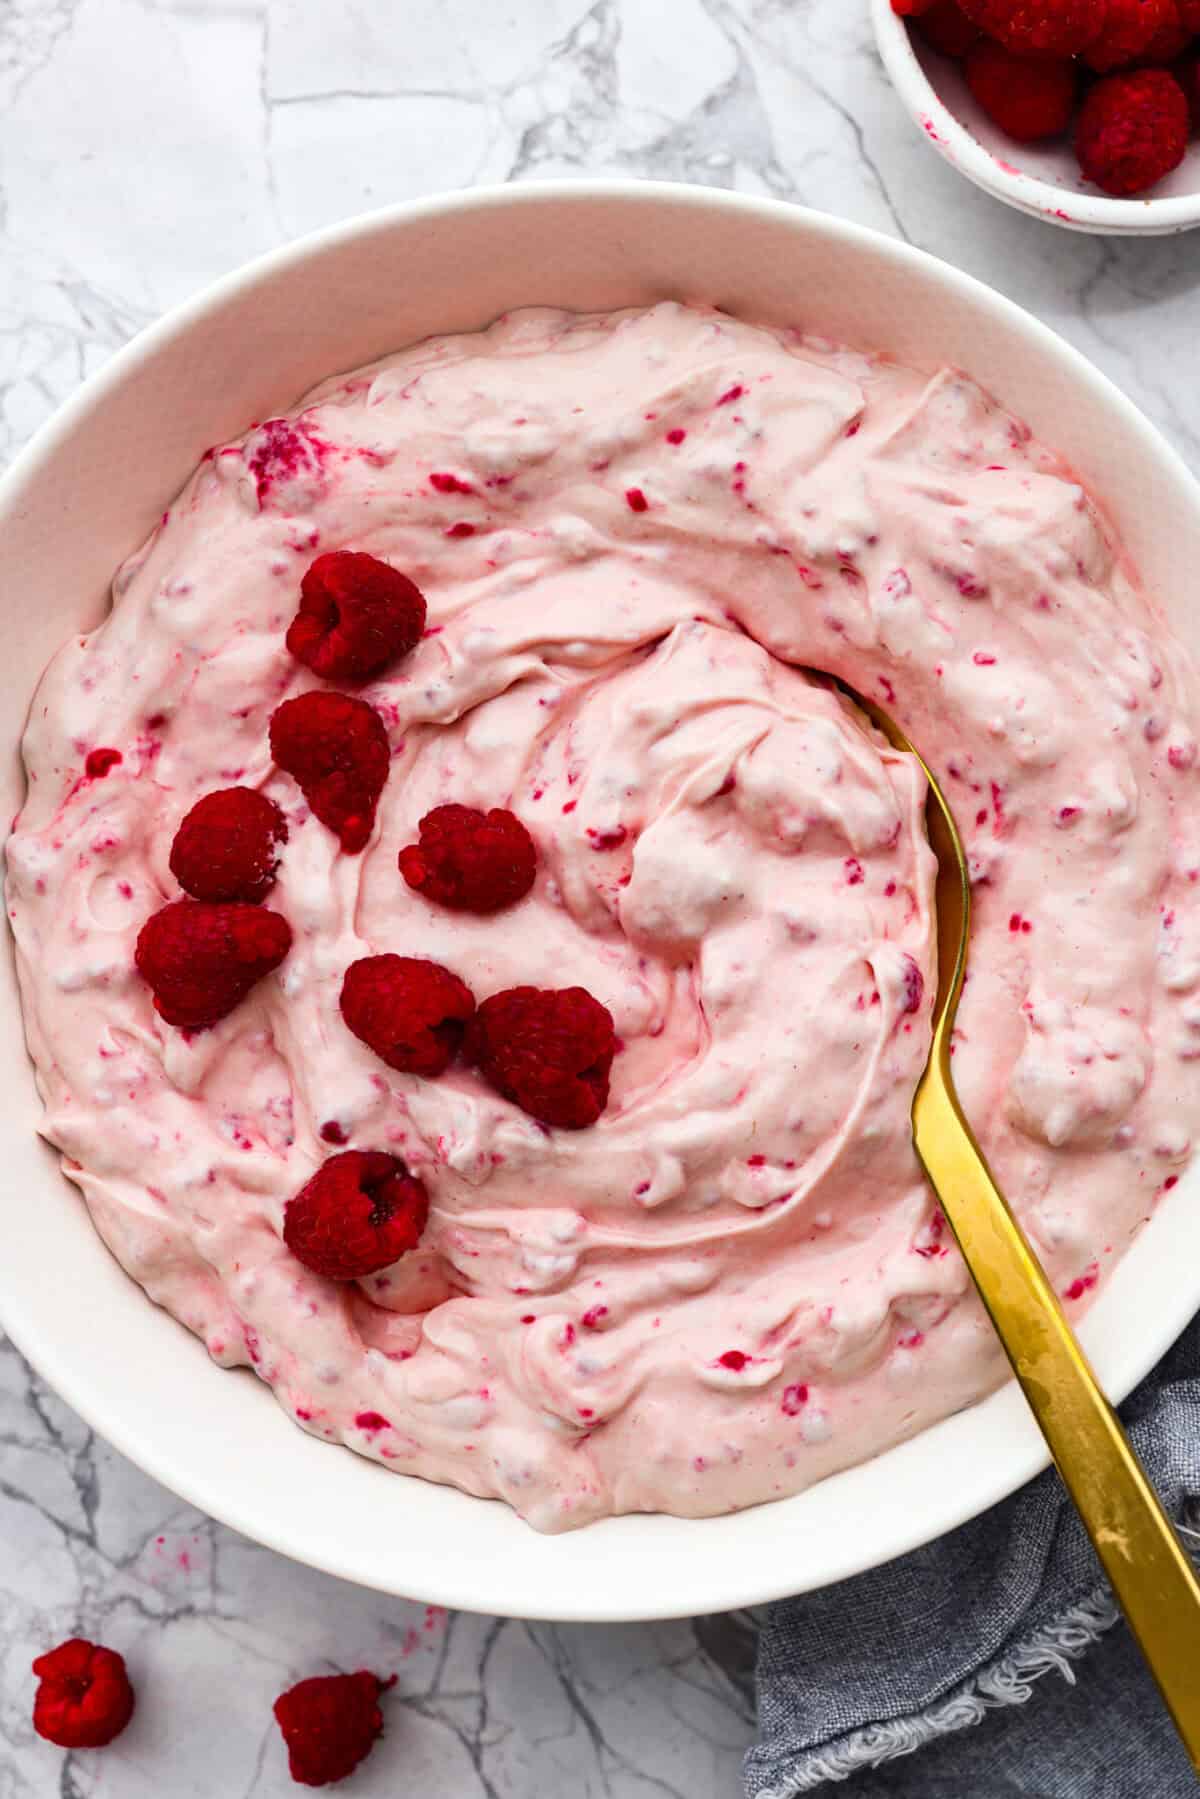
{"x": 946, "y": 28}
{"x": 337, "y": 749}
{"x": 636, "y": 500}
{"x": 1130, "y": 27}
{"x": 608, "y": 839}
{"x": 84, "y": 1698}
{"x": 329, "y": 1724}
{"x": 734, "y": 1359}
{"x": 372, "y": 1422}
{"x": 286, "y": 457}
{"x": 1039, "y": 27}
{"x": 1132, "y": 130}
{"x": 411, "y": 1012}
{"x": 912, "y": 987}
{"x": 1084, "y": 1284}
{"x": 909, "y": 9}
{"x": 357, "y": 615}
{"x": 548, "y": 1051}
{"x": 361, "y": 1211}
{"x": 470, "y": 861}
{"x": 200, "y": 960}
{"x": 227, "y": 846}
{"x": 1030, "y": 98}
{"x": 101, "y": 762}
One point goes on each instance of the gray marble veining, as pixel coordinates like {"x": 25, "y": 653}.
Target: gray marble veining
{"x": 147, "y": 146}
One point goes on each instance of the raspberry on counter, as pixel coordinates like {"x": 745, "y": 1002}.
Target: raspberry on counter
{"x": 84, "y": 1698}
{"x": 329, "y": 1724}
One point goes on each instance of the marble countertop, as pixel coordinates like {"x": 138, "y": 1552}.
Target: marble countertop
{"x": 147, "y": 146}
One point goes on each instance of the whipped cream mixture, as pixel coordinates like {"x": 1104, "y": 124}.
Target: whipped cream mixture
{"x": 636, "y": 534}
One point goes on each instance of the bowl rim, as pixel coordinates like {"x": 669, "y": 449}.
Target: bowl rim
{"x": 1101, "y": 214}
{"x": 725, "y": 1585}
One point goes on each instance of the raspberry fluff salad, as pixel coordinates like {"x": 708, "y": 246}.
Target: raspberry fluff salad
{"x": 478, "y": 968}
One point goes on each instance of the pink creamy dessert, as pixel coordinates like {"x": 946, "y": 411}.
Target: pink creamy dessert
{"x": 635, "y": 533}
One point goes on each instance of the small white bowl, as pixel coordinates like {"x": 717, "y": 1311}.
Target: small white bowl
{"x": 88, "y": 489}
{"x": 1042, "y": 179}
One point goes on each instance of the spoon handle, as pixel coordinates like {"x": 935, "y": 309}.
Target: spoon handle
{"x": 1150, "y": 1574}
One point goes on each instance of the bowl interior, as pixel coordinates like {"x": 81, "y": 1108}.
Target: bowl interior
{"x": 85, "y": 493}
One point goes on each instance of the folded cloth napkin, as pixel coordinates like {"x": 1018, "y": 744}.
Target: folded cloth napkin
{"x": 925, "y": 1678}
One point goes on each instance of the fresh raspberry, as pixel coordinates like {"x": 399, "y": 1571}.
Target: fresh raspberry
{"x": 1028, "y": 97}
{"x": 1132, "y": 130}
{"x": 549, "y": 1051}
{"x": 1171, "y": 39}
{"x": 225, "y": 849}
{"x": 947, "y": 29}
{"x": 1039, "y": 27}
{"x": 1189, "y": 15}
{"x": 356, "y": 615}
{"x": 329, "y": 1724}
{"x": 470, "y": 861}
{"x": 411, "y": 1012}
{"x": 1130, "y": 27}
{"x": 201, "y": 960}
{"x": 337, "y": 749}
{"x": 1187, "y": 74}
{"x": 360, "y": 1212}
{"x": 84, "y": 1699}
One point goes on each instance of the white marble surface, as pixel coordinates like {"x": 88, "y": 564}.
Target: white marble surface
{"x": 147, "y": 146}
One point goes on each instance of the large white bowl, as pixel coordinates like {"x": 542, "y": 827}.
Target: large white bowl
{"x": 89, "y": 488}
{"x": 1041, "y": 179}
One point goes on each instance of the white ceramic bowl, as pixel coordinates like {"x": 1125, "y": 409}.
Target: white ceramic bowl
{"x": 89, "y": 488}
{"x": 1042, "y": 179}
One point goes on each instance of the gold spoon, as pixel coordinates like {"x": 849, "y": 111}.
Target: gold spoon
{"x": 1138, "y": 1549}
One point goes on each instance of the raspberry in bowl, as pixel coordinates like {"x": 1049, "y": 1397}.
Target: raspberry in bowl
{"x": 1082, "y": 115}
{"x": 673, "y": 936}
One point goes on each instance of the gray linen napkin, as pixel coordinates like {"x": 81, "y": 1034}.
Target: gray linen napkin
{"x": 925, "y": 1679}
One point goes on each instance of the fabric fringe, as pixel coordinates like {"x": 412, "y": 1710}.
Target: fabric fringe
{"x": 1008, "y": 1681}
